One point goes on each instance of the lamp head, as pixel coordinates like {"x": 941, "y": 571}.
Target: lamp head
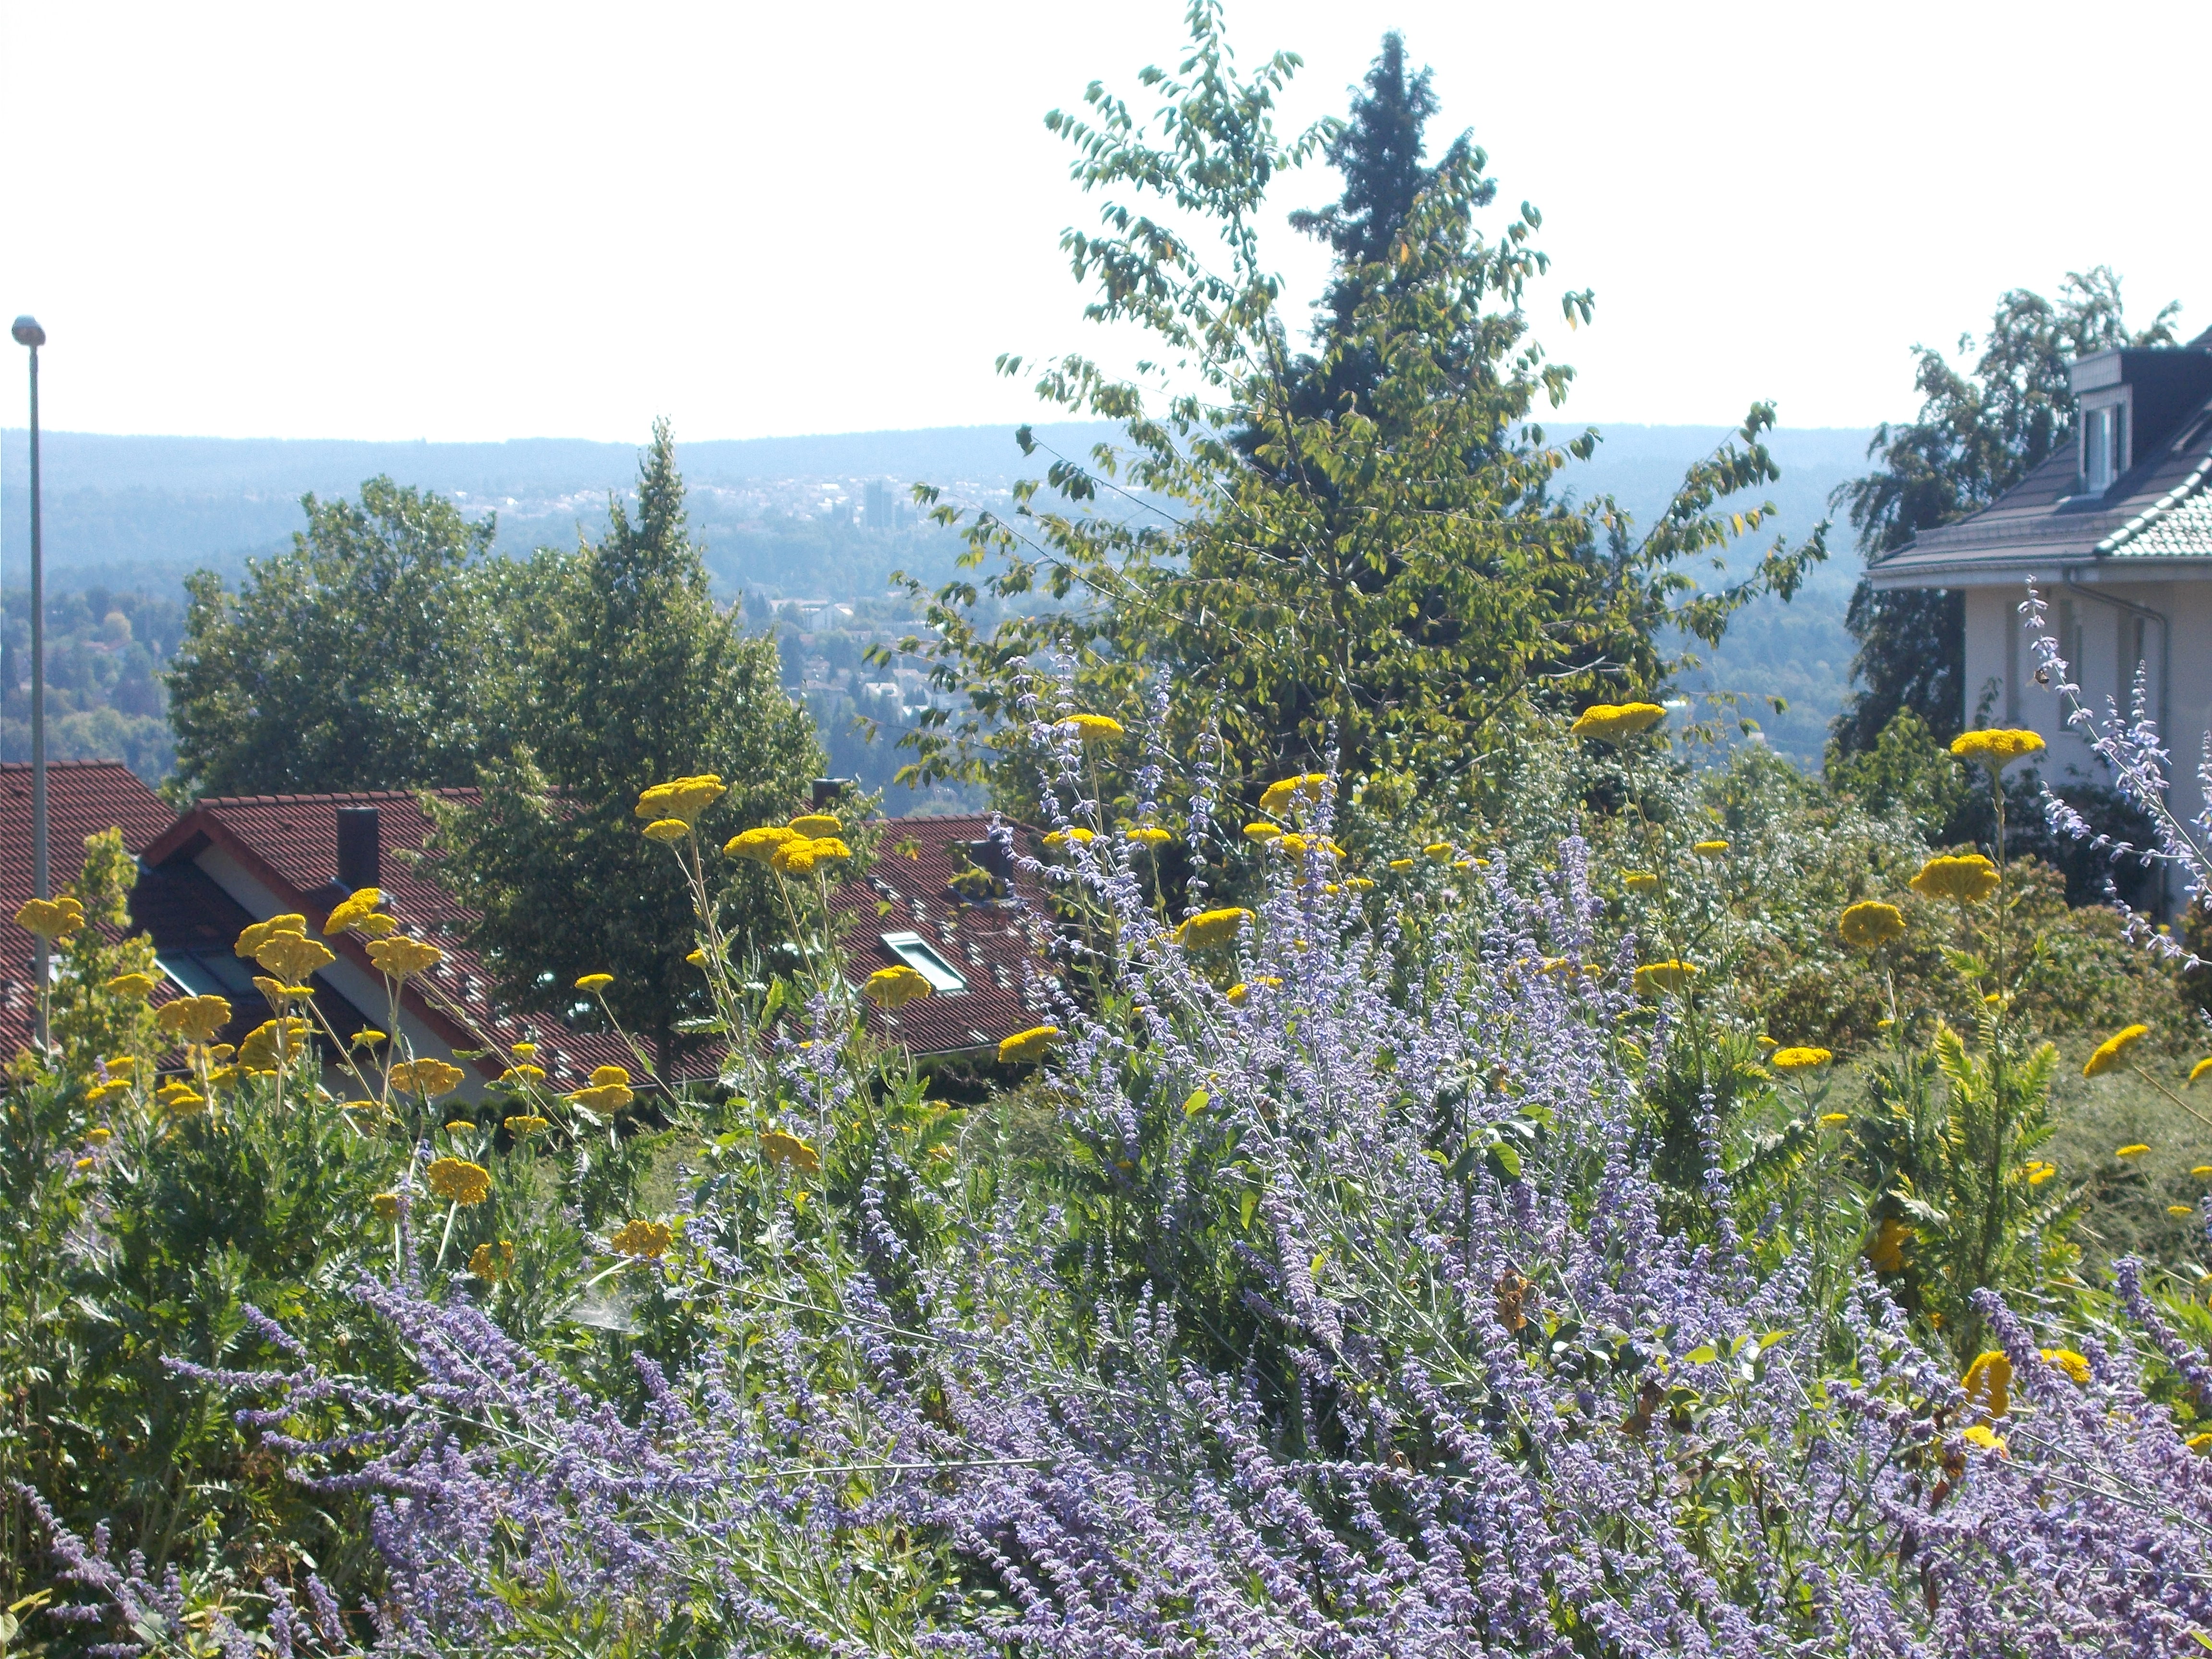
{"x": 28, "y": 332}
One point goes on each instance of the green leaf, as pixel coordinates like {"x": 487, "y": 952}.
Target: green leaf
{"x": 1196, "y": 1104}
{"x": 1703, "y": 1354}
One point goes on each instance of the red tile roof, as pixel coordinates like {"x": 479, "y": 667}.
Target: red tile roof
{"x": 82, "y": 799}
{"x": 289, "y": 843}
{"x": 993, "y": 946}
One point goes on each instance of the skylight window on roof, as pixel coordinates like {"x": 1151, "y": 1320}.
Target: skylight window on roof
{"x": 916, "y": 952}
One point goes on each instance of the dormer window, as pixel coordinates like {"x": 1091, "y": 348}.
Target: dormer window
{"x": 917, "y": 953}
{"x": 2104, "y": 445}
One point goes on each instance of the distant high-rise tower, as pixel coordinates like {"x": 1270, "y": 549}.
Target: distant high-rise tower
{"x": 880, "y": 507}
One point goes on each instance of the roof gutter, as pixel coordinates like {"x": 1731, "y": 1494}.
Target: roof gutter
{"x": 2073, "y": 585}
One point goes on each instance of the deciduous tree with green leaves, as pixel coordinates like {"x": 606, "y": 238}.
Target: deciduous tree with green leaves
{"x": 1368, "y": 548}
{"x": 637, "y": 678}
{"x": 1979, "y": 433}
{"x": 372, "y": 655}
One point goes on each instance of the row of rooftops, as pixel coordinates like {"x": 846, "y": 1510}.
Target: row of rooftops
{"x": 2133, "y": 487}
{"x": 207, "y": 872}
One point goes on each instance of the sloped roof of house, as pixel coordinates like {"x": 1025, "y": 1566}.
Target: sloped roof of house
{"x": 994, "y": 946}
{"x": 2156, "y": 510}
{"x": 287, "y": 844}
{"x": 82, "y": 799}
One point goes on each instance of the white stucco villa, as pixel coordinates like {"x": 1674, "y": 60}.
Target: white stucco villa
{"x": 2116, "y": 531}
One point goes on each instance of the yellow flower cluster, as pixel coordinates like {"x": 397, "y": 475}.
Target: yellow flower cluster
{"x": 1798, "y": 1058}
{"x": 2074, "y": 1365}
{"x": 1886, "y": 1251}
{"x": 1962, "y": 880}
{"x": 359, "y": 912}
{"x": 1075, "y": 835}
{"x": 1616, "y": 723}
{"x": 1871, "y": 924}
{"x": 680, "y": 802}
{"x": 50, "y": 919}
{"x": 524, "y": 1125}
{"x": 779, "y": 1147}
{"x": 609, "y": 1093}
{"x": 492, "y": 1261}
{"x": 1209, "y": 929}
{"x": 1092, "y": 728}
{"x": 803, "y": 855}
{"x": 2113, "y": 1051}
{"x": 1996, "y": 749}
{"x": 896, "y": 986}
{"x": 645, "y": 1241}
{"x": 1286, "y": 794}
{"x": 134, "y": 988}
{"x": 1262, "y": 831}
{"x": 1988, "y": 1382}
{"x": 1672, "y": 977}
{"x": 595, "y": 983}
{"x": 1023, "y": 1047}
{"x": 456, "y": 1179}
{"x": 1640, "y": 881}
{"x": 1710, "y": 849}
{"x": 1240, "y": 994}
{"x": 1150, "y": 835}
{"x": 401, "y": 958}
{"x": 429, "y": 1079}
{"x": 196, "y": 1019}
{"x": 271, "y": 1040}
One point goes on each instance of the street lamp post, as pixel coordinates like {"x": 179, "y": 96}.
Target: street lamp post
{"x": 28, "y": 333}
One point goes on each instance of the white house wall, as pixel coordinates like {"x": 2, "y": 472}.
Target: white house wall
{"x": 2100, "y": 641}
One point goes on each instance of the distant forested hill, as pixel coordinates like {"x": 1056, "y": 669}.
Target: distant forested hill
{"x": 822, "y": 517}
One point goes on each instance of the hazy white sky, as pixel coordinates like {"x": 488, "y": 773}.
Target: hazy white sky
{"x": 475, "y": 221}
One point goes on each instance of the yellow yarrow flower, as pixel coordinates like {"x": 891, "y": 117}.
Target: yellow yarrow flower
{"x": 400, "y": 958}
{"x": 645, "y": 1241}
{"x": 1026, "y": 1047}
{"x": 1967, "y": 879}
{"x": 1640, "y": 881}
{"x": 667, "y": 830}
{"x": 524, "y": 1072}
{"x": 523, "y": 1125}
{"x": 758, "y": 846}
{"x": 287, "y": 1037}
{"x": 894, "y": 988}
{"x": 293, "y": 955}
{"x": 2200, "y": 1069}
{"x": 778, "y": 1146}
{"x": 249, "y": 942}
{"x": 492, "y": 1261}
{"x": 1988, "y": 1382}
{"x": 2133, "y": 1149}
{"x": 1262, "y": 831}
{"x": 50, "y": 919}
{"x": 456, "y": 1179}
{"x": 2178, "y": 1211}
{"x": 1830, "y": 1119}
{"x": 1091, "y": 728}
{"x": 1987, "y": 1439}
{"x": 595, "y": 983}
{"x": 1402, "y": 864}
{"x": 1616, "y": 723}
{"x": 1674, "y": 977}
{"x": 1284, "y": 794}
{"x": 1710, "y": 849}
{"x": 1438, "y": 851}
{"x": 1209, "y": 929}
{"x": 683, "y": 800}
{"x": 1871, "y": 924}
{"x": 135, "y": 987}
{"x": 2114, "y": 1050}
{"x": 1996, "y": 749}
{"x": 1240, "y": 994}
{"x": 1798, "y": 1058}
{"x": 2040, "y": 1171}
{"x": 386, "y": 1206}
{"x": 2074, "y": 1365}
{"x": 362, "y": 903}
{"x": 368, "y": 1036}
{"x": 1150, "y": 834}
{"x": 1075, "y": 834}
{"x": 1887, "y": 1249}
{"x": 430, "y": 1078}
{"x": 812, "y": 824}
